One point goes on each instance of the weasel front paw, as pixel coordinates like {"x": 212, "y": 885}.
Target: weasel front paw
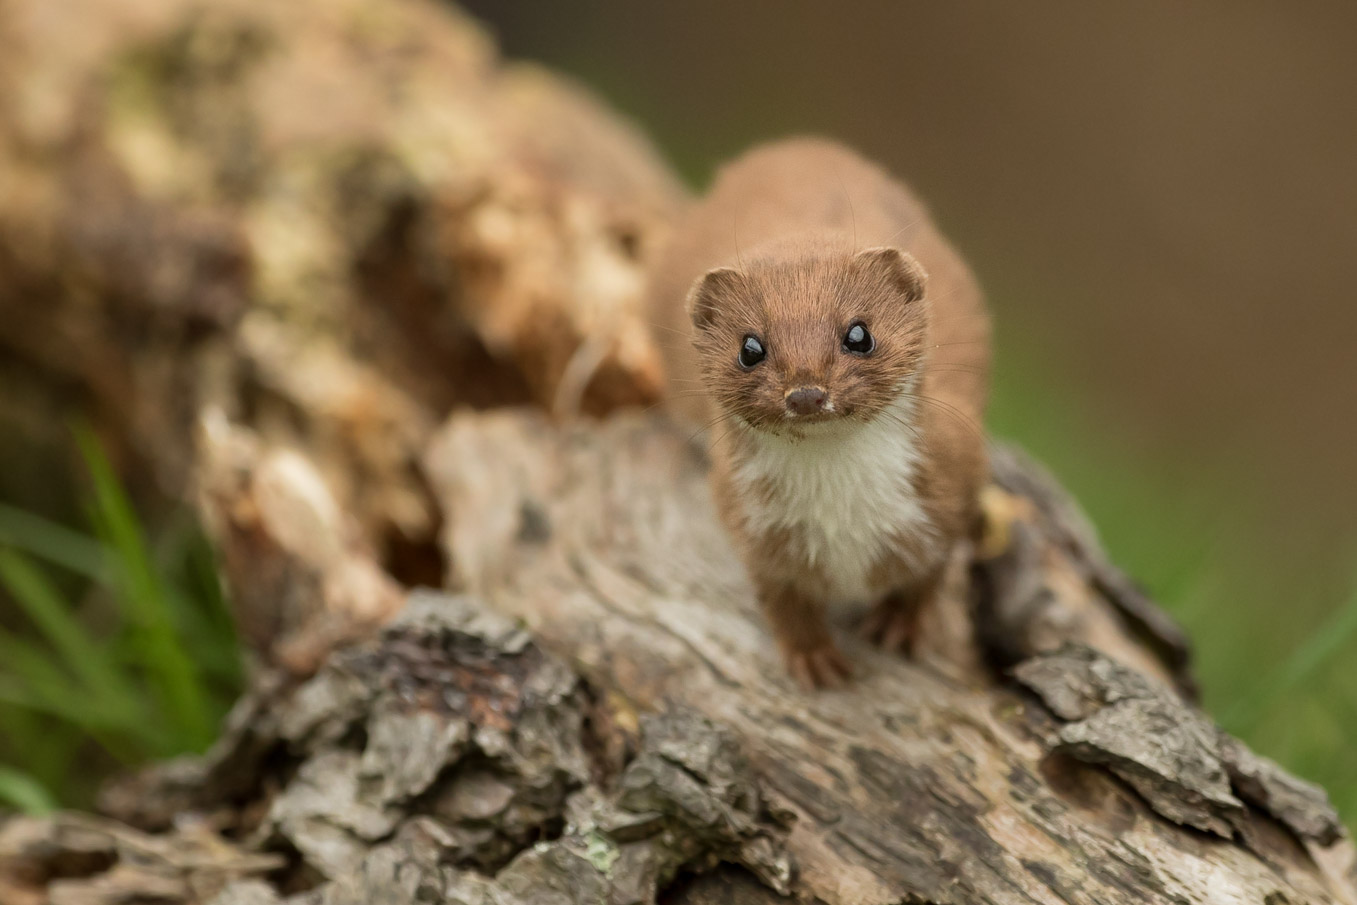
{"x": 894, "y": 624}
{"x": 820, "y": 666}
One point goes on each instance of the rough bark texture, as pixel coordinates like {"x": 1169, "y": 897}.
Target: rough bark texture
{"x": 329, "y": 223}
{"x": 295, "y": 259}
{"x": 935, "y": 779}
{"x": 333, "y": 221}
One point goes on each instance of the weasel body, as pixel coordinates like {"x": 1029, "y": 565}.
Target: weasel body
{"x": 839, "y": 354}
{"x": 841, "y": 498}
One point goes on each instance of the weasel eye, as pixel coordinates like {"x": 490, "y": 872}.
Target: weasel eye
{"x": 751, "y": 353}
{"x": 857, "y": 341}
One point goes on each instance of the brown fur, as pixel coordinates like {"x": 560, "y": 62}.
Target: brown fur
{"x": 795, "y": 242}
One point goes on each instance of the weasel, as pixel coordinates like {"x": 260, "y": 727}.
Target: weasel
{"x": 837, "y": 348}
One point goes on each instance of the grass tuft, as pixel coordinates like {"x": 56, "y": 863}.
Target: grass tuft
{"x": 1301, "y": 669}
{"x": 25, "y": 793}
{"x": 123, "y": 652}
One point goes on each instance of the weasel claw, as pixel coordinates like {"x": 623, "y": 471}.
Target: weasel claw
{"x": 819, "y": 667}
{"x": 893, "y": 627}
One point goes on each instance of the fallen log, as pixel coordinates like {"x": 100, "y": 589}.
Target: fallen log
{"x": 940, "y": 779}
{"x": 600, "y": 716}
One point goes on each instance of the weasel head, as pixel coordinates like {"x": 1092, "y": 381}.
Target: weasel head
{"x": 810, "y": 342}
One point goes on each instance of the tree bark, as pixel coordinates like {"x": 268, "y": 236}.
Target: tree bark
{"x": 939, "y": 779}
{"x": 371, "y": 300}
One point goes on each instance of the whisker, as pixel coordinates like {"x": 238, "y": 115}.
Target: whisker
{"x": 964, "y": 362}
{"x": 683, "y": 333}
{"x": 910, "y": 225}
{"x": 670, "y": 397}
{"x": 723, "y": 436}
{"x": 957, "y": 369}
{"x": 654, "y": 405}
{"x": 851, "y": 212}
{"x": 960, "y": 318}
{"x": 709, "y": 425}
{"x": 911, "y": 429}
{"x": 735, "y": 232}
{"x": 961, "y": 417}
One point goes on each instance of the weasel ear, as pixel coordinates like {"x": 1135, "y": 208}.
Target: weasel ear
{"x": 897, "y": 267}
{"x": 708, "y": 293}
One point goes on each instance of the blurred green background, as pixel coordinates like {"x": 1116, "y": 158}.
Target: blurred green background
{"x": 1162, "y": 205}
{"x": 1161, "y": 201}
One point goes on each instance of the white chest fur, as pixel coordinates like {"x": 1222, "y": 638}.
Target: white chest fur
{"x": 844, "y": 493}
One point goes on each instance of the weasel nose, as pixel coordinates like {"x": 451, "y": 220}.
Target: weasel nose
{"x": 805, "y": 400}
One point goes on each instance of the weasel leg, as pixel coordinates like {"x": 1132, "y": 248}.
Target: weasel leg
{"x": 894, "y": 622}
{"x": 808, "y": 647}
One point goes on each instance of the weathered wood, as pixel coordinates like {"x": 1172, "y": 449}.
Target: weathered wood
{"x": 315, "y": 226}
{"x": 1185, "y": 768}
{"x": 923, "y": 779}
{"x": 450, "y": 758}
{"x": 76, "y": 859}
{"x": 446, "y": 759}
{"x": 329, "y": 220}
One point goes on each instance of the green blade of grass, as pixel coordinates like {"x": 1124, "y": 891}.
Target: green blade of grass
{"x": 34, "y": 668}
{"x": 155, "y": 686}
{"x": 52, "y": 542}
{"x": 214, "y": 644}
{"x": 202, "y": 582}
{"x": 43, "y": 747}
{"x": 25, "y": 793}
{"x": 171, "y": 672}
{"x": 1321, "y": 647}
{"x": 31, "y": 681}
{"x": 99, "y": 723}
{"x": 51, "y": 615}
